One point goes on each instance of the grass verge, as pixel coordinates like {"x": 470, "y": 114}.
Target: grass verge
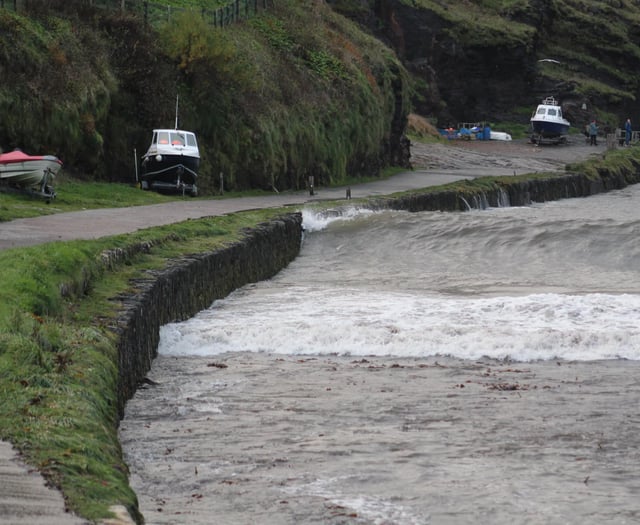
{"x": 75, "y": 195}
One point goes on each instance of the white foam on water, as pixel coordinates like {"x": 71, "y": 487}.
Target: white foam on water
{"x": 302, "y": 320}
{"x": 466, "y": 285}
{"x": 313, "y": 220}
{"x": 377, "y": 511}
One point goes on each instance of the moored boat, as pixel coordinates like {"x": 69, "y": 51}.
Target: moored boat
{"x": 500, "y": 135}
{"x": 29, "y": 172}
{"x": 547, "y": 122}
{"x": 171, "y": 163}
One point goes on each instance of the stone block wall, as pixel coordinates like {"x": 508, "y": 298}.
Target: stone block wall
{"x": 190, "y": 284}
{"x": 517, "y": 192}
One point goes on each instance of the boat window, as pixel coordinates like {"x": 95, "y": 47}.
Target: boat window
{"x": 154, "y": 140}
{"x": 560, "y": 113}
{"x": 541, "y": 111}
{"x": 191, "y": 140}
{"x": 163, "y": 137}
{"x": 177, "y": 139}
{"x": 551, "y": 112}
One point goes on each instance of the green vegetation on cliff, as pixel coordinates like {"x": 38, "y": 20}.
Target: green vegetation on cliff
{"x": 481, "y": 23}
{"x": 280, "y": 103}
{"x": 302, "y": 88}
{"x": 272, "y": 101}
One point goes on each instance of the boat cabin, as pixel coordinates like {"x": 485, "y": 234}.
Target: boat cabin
{"x": 174, "y": 137}
{"x": 549, "y": 108}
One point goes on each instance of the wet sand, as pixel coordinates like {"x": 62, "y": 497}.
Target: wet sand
{"x": 258, "y": 438}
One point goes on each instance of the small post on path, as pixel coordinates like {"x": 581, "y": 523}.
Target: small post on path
{"x": 135, "y": 164}
{"x": 311, "y": 185}
{"x": 221, "y": 184}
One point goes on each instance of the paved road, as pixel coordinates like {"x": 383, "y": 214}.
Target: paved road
{"x": 438, "y": 164}
{"x": 24, "y": 497}
{"x": 91, "y": 224}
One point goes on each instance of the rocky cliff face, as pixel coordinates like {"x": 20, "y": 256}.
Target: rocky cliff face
{"x": 476, "y": 61}
{"x": 460, "y": 77}
{"x": 475, "y": 81}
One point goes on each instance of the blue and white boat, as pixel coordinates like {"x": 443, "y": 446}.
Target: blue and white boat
{"x": 547, "y": 122}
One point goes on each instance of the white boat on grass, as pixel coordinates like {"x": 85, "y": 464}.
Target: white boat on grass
{"x": 34, "y": 173}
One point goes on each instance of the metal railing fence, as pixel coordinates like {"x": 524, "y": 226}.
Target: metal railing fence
{"x": 151, "y": 12}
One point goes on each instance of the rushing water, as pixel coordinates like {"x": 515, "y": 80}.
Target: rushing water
{"x": 536, "y": 308}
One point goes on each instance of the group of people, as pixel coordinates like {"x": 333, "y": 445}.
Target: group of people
{"x": 592, "y": 132}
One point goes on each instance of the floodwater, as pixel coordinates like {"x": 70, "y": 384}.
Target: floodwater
{"x": 445, "y": 368}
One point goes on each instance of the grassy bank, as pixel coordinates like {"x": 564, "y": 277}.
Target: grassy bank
{"x": 77, "y": 195}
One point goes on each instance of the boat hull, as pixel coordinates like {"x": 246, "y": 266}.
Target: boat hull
{"x": 170, "y": 173}
{"x": 500, "y": 135}
{"x": 549, "y": 129}
{"x": 35, "y": 173}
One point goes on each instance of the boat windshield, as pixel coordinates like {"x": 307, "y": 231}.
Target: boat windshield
{"x": 552, "y": 112}
{"x": 541, "y": 111}
{"x": 177, "y": 139}
{"x": 191, "y": 140}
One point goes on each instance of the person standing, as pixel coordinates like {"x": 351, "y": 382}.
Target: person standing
{"x": 593, "y": 133}
{"x": 627, "y": 132}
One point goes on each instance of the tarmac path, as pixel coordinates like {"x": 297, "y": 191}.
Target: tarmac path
{"x": 91, "y": 224}
{"x": 25, "y": 499}
{"x": 434, "y": 165}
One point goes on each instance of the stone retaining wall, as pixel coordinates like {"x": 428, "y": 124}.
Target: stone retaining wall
{"x": 190, "y": 284}
{"x": 513, "y": 193}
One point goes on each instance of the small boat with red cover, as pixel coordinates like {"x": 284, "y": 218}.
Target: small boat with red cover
{"x": 34, "y": 173}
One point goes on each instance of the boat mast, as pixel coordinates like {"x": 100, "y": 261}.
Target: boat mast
{"x": 177, "y": 98}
